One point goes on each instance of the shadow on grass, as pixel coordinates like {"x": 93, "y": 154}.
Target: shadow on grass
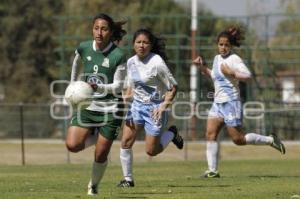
{"x": 141, "y": 194}
{"x": 132, "y": 197}
{"x": 123, "y": 195}
{"x": 200, "y": 186}
{"x": 272, "y": 176}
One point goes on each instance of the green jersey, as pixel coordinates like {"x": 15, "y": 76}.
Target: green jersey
{"x": 103, "y": 67}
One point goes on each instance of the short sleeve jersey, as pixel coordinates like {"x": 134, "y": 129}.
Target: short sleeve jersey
{"x": 150, "y": 78}
{"x": 227, "y": 89}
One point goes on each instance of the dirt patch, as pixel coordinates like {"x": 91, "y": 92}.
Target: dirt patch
{"x": 54, "y": 152}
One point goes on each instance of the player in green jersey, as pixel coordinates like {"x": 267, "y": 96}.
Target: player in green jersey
{"x": 104, "y": 68}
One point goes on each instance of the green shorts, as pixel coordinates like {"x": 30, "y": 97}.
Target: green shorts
{"x": 105, "y": 123}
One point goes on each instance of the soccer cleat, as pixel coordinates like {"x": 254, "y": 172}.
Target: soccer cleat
{"x": 92, "y": 189}
{"x": 211, "y": 174}
{"x": 177, "y": 140}
{"x": 125, "y": 183}
{"x": 277, "y": 144}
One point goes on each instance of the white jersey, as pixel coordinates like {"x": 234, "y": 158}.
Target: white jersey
{"x": 227, "y": 89}
{"x": 150, "y": 78}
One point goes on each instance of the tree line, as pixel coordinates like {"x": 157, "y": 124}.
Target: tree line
{"x": 29, "y": 37}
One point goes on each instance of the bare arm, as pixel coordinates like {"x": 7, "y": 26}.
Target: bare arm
{"x": 170, "y": 95}
{"x": 201, "y": 64}
{"x": 166, "y": 103}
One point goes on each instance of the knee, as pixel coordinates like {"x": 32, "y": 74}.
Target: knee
{"x": 239, "y": 140}
{"x": 74, "y": 148}
{"x": 101, "y": 155}
{"x": 211, "y": 136}
{"x": 151, "y": 152}
{"x": 126, "y": 145}
{"x": 100, "y": 159}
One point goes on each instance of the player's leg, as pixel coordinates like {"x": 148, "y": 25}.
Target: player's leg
{"x": 91, "y": 139}
{"x": 156, "y": 143}
{"x": 156, "y": 140}
{"x": 103, "y": 146}
{"x": 107, "y": 134}
{"x": 240, "y": 138}
{"x": 177, "y": 139}
{"x": 153, "y": 145}
{"x": 133, "y": 125}
{"x": 80, "y": 134}
{"x": 232, "y": 112}
{"x": 233, "y": 119}
{"x": 214, "y": 126}
{"x": 76, "y": 136}
{"x": 126, "y": 156}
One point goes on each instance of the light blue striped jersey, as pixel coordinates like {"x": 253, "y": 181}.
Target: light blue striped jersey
{"x": 150, "y": 78}
{"x": 227, "y": 89}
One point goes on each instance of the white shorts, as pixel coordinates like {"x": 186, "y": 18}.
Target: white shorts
{"x": 230, "y": 111}
{"x": 141, "y": 113}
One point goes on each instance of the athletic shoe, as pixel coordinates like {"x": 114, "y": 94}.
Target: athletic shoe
{"x": 277, "y": 144}
{"x": 177, "y": 140}
{"x": 125, "y": 183}
{"x": 92, "y": 189}
{"x": 211, "y": 174}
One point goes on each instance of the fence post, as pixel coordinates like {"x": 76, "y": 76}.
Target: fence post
{"x": 21, "y": 105}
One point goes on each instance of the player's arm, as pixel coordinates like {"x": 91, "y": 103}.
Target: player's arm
{"x": 239, "y": 71}
{"x": 169, "y": 81}
{"x": 118, "y": 81}
{"x": 243, "y": 73}
{"x": 128, "y": 95}
{"x": 201, "y": 64}
{"x": 169, "y": 97}
{"x": 75, "y": 65}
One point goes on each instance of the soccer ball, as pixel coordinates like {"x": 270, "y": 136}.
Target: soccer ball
{"x": 78, "y": 92}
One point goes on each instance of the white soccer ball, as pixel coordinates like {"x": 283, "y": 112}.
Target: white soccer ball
{"x": 78, "y": 92}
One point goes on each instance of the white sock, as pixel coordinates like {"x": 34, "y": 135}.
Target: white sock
{"x": 212, "y": 149}
{"x": 126, "y": 158}
{"x": 98, "y": 172}
{"x": 166, "y": 138}
{"x": 256, "y": 139}
{"x": 91, "y": 140}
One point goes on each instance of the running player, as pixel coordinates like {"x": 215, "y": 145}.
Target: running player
{"x": 227, "y": 70}
{"x": 105, "y": 70}
{"x": 154, "y": 88}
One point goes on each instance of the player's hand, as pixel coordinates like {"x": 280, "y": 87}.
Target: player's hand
{"x": 94, "y": 86}
{"x": 199, "y": 61}
{"x": 156, "y": 114}
{"x": 227, "y": 71}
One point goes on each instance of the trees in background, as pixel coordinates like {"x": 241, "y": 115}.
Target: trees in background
{"x": 286, "y": 42}
{"x": 26, "y": 45}
{"x": 38, "y": 38}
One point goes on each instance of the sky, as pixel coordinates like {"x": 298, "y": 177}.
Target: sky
{"x": 238, "y": 7}
{"x": 242, "y": 7}
{"x": 235, "y": 8}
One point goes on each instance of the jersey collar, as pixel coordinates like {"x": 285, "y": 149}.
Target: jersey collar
{"x": 105, "y": 49}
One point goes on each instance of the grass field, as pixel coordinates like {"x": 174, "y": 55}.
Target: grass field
{"x": 250, "y": 179}
{"x": 247, "y": 172}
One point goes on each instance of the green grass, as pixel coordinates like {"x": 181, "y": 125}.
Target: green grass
{"x": 251, "y": 179}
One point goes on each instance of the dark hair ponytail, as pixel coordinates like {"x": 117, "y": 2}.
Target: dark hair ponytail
{"x": 115, "y": 27}
{"x": 158, "y": 43}
{"x": 234, "y": 34}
